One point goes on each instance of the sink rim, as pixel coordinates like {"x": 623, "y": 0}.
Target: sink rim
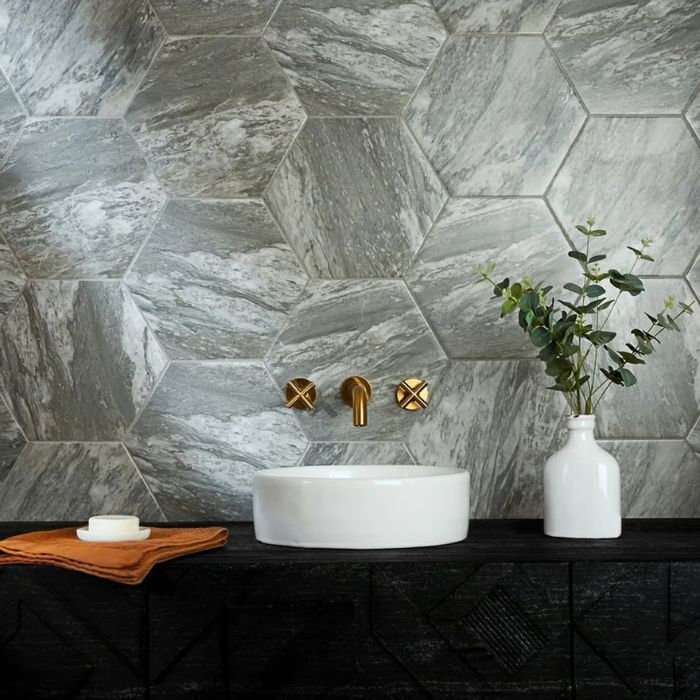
{"x": 357, "y": 473}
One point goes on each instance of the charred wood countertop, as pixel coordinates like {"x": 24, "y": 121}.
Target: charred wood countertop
{"x": 675, "y": 539}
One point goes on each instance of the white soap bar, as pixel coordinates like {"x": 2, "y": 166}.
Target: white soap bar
{"x": 114, "y": 524}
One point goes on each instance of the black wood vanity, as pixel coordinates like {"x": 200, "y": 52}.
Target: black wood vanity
{"x": 506, "y": 614}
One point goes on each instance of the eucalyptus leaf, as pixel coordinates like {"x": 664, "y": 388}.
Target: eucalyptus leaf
{"x": 540, "y": 337}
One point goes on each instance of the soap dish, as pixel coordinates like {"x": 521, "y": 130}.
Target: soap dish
{"x": 113, "y": 528}
{"x": 84, "y": 534}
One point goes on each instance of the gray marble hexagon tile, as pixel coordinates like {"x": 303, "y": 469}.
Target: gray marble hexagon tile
{"x": 666, "y": 400}
{"x": 214, "y": 17}
{"x": 82, "y": 57}
{"x": 520, "y": 236}
{"x": 355, "y": 197}
{"x": 341, "y": 328}
{"x": 659, "y": 478}
{"x": 495, "y": 115}
{"x": 629, "y": 57}
{"x": 77, "y": 360}
{"x": 639, "y": 178}
{"x": 11, "y": 442}
{"x": 208, "y": 428}
{"x": 497, "y": 420}
{"x": 73, "y": 481}
{"x": 216, "y": 279}
{"x": 213, "y": 132}
{"x": 694, "y": 438}
{"x": 11, "y": 279}
{"x": 466, "y": 16}
{"x": 355, "y": 56}
{"x": 357, "y": 453}
{"x": 11, "y": 118}
{"x": 77, "y": 198}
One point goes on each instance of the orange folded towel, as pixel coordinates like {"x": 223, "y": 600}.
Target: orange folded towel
{"x": 124, "y": 562}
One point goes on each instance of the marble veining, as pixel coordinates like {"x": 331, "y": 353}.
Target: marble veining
{"x": 11, "y": 118}
{"x": 11, "y": 442}
{"x": 212, "y": 426}
{"x": 357, "y": 453}
{"x": 495, "y": 115}
{"x": 629, "y": 56}
{"x": 94, "y": 478}
{"x": 497, "y": 420}
{"x": 215, "y": 132}
{"x": 344, "y": 327}
{"x": 511, "y": 232}
{"x": 640, "y": 178}
{"x": 77, "y": 198}
{"x": 666, "y": 400}
{"x": 355, "y": 197}
{"x": 216, "y": 279}
{"x": 77, "y": 57}
{"x": 467, "y": 16}
{"x": 77, "y": 361}
{"x": 660, "y": 478}
{"x": 11, "y": 279}
{"x": 355, "y": 56}
{"x": 214, "y": 17}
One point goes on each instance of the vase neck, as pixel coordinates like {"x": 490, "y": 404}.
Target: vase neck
{"x": 581, "y": 428}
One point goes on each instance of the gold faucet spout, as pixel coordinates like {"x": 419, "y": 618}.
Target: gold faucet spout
{"x": 356, "y": 392}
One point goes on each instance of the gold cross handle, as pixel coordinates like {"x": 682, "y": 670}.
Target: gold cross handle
{"x": 412, "y": 394}
{"x": 300, "y": 394}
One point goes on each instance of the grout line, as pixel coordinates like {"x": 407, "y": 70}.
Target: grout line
{"x": 420, "y": 247}
{"x": 272, "y": 16}
{"x": 146, "y": 403}
{"x": 568, "y": 153}
{"x": 14, "y": 92}
{"x": 641, "y": 115}
{"x": 13, "y": 142}
{"x": 557, "y": 221}
{"x": 437, "y": 336}
{"x": 158, "y": 19}
{"x": 185, "y": 37}
{"x": 146, "y": 238}
{"x": 693, "y": 134}
{"x": 566, "y": 75}
{"x": 691, "y": 99}
{"x": 143, "y": 480}
{"x": 156, "y": 54}
{"x": 513, "y": 34}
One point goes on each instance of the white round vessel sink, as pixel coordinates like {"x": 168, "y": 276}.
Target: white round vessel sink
{"x": 361, "y": 507}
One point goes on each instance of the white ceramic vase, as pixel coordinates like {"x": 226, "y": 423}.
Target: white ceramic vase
{"x": 582, "y": 486}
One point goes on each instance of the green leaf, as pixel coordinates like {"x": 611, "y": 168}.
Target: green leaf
{"x": 529, "y": 301}
{"x": 581, "y": 229}
{"x": 653, "y": 319}
{"x": 596, "y": 233}
{"x": 559, "y": 367}
{"x": 568, "y": 350}
{"x": 646, "y": 257}
{"x": 606, "y": 304}
{"x": 631, "y": 358}
{"x": 597, "y": 258}
{"x": 612, "y": 374}
{"x": 571, "y": 287}
{"x": 686, "y": 307}
{"x": 626, "y": 283}
{"x": 504, "y": 284}
{"x": 497, "y": 292}
{"x": 548, "y": 352}
{"x": 601, "y": 337}
{"x": 628, "y": 379}
{"x": 615, "y": 356}
{"x": 508, "y": 306}
{"x": 594, "y": 290}
{"x": 540, "y": 337}
{"x": 516, "y": 290}
{"x": 578, "y": 255}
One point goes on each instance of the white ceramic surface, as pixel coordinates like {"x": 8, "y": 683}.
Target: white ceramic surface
{"x": 361, "y": 507}
{"x": 113, "y": 528}
{"x": 143, "y": 533}
{"x": 582, "y": 486}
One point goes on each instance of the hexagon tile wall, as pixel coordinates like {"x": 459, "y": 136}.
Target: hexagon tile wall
{"x": 200, "y": 201}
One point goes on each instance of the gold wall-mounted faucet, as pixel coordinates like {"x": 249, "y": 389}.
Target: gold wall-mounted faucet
{"x": 356, "y": 392}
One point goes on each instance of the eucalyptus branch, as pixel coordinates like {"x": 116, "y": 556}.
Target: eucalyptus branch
{"x": 557, "y": 327}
